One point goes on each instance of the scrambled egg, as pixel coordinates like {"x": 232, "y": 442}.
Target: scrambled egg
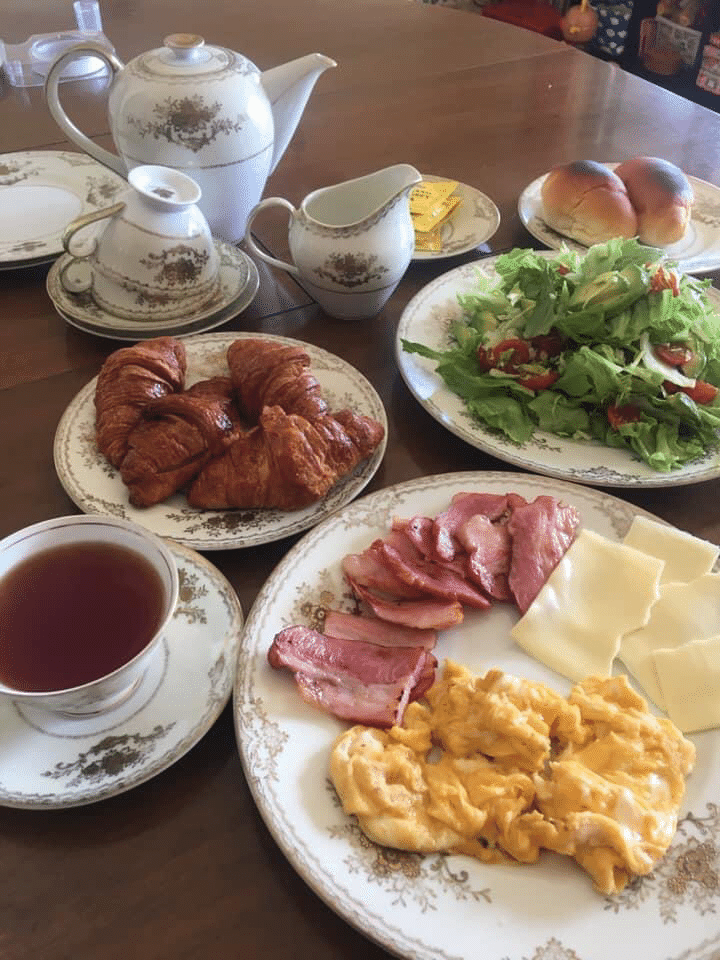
{"x": 499, "y": 767}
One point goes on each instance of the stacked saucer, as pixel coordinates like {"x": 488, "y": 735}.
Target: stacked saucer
{"x": 237, "y": 286}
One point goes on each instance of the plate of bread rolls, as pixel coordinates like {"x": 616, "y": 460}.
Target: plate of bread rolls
{"x": 222, "y": 440}
{"x": 585, "y": 202}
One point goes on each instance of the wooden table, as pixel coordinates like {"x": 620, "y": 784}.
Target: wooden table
{"x": 183, "y": 866}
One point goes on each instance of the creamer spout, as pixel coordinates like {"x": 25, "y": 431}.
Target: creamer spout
{"x": 288, "y": 88}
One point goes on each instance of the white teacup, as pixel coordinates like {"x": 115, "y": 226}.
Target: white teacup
{"x": 155, "y": 259}
{"x": 99, "y": 627}
{"x": 350, "y": 243}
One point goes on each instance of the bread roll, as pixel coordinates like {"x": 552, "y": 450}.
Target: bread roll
{"x": 586, "y": 201}
{"x": 662, "y": 197}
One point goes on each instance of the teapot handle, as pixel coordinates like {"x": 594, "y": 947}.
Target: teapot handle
{"x": 269, "y": 202}
{"x": 111, "y": 160}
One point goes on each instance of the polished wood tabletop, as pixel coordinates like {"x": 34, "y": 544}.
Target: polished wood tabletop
{"x": 183, "y": 866}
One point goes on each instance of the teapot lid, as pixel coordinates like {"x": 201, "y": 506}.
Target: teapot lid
{"x": 187, "y": 54}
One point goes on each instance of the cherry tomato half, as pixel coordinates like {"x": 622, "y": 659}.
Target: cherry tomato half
{"x": 539, "y": 381}
{"x": 673, "y": 354}
{"x": 518, "y": 350}
{"x": 702, "y": 393}
{"x": 628, "y": 413}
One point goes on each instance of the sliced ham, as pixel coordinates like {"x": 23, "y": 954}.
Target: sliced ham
{"x": 351, "y": 626}
{"x": 541, "y": 532}
{"x": 489, "y": 550}
{"x": 357, "y": 681}
{"x": 462, "y": 507}
{"x": 428, "y": 614}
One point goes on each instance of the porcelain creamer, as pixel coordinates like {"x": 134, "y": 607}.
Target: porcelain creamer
{"x": 350, "y": 243}
{"x": 200, "y": 109}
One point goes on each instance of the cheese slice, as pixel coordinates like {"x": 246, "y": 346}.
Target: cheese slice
{"x": 683, "y": 612}
{"x": 686, "y": 557}
{"x": 598, "y": 592}
{"x": 690, "y": 682}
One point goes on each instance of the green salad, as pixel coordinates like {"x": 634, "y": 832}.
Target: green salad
{"x": 613, "y": 345}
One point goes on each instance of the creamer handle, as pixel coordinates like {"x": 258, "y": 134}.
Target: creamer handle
{"x": 264, "y": 204}
{"x": 111, "y": 160}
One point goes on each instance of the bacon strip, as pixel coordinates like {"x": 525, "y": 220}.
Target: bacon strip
{"x": 370, "y": 571}
{"x": 541, "y": 532}
{"x": 350, "y": 626}
{"x": 425, "y": 614}
{"x": 462, "y": 507}
{"x": 356, "y": 681}
{"x": 431, "y": 578}
{"x": 489, "y": 549}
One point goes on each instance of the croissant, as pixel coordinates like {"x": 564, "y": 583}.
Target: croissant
{"x": 286, "y": 461}
{"x": 129, "y": 379}
{"x": 266, "y": 373}
{"x": 175, "y": 438}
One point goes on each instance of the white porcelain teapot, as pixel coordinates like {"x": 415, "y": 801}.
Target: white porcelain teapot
{"x": 200, "y": 109}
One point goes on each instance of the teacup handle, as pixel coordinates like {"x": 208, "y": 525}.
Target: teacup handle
{"x": 72, "y": 228}
{"x": 264, "y": 204}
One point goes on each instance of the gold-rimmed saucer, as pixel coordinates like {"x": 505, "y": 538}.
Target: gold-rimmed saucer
{"x": 237, "y": 285}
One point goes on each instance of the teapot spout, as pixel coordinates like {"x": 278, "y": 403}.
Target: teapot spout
{"x": 288, "y": 88}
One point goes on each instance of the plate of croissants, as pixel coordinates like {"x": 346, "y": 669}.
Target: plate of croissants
{"x": 221, "y": 440}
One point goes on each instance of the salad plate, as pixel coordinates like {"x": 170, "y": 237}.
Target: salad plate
{"x": 96, "y": 487}
{"x": 473, "y": 222}
{"x": 436, "y": 907}
{"x": 698, "y": 252}
{"x": 50, "y": 761}
{"x": 426, "y": 320}
{"x": 40, "y": 193}
{"x": 238, "y": 284}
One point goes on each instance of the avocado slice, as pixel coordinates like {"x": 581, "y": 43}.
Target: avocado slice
{"x": 612, "y": 292}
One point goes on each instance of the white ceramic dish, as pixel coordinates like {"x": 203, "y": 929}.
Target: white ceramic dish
{"x": 237, "y": 286}
{"x": 698, "y": 252}
{"x": 95, "y": 487}
{"x": 49, "y": 761}
{"x": 453, "y": 907}
{"x": 40, "y": 193}
{"x": 426, "y": 320}
{"x": 474, "y": 221}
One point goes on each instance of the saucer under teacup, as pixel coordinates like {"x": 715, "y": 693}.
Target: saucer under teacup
{"x": 237, "y": 284}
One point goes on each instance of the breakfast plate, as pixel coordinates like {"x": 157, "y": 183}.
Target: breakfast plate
{"x": 698, "y": 252}
{"x": 40, "y": 193}
{"x": 444, "y": 906}
{"x": 96, "y": 487}
{"x": 238, "y": 284}
{"x": 49, "y": 761}
{"x": 474, "y": 221}
{"x": 426, "y": 319}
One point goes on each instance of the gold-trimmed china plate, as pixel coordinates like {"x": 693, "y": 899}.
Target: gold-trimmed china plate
{"x": 426, "y": 319}
{"x": 41, "y": 191}
{"x": 698, "y": 252}
{"x": 473, "y": 222}
{"x": 439, "y": 907}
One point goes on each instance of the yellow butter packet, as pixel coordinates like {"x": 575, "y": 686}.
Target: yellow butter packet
{"x": 428, "y": 194}
{"x": 430, "y": 242}
{"x": 424, "y": 222}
